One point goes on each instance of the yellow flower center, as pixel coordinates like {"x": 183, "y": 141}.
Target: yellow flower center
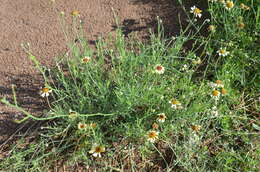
{"x": 196, "y": 128}
{"x": 221, "y": 51}
{"x": 197, "y": 11}
{"x": 45, "y": 90}
{"x": 99, "y": 149}
{"x": 175, "y": 102}
{"x": 152, "y": 134}
{"x": 81, "y": 126}
{"x": 85, "y": 59}
{"x": 229, "y": 4}
{"x": 215, "y": 93}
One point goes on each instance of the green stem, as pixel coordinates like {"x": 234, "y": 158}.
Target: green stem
{"x": 29, "y": 115}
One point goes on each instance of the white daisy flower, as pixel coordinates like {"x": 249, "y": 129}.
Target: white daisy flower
{"x": 215, "y": 94}
{"x": 196, "y": 11}
{"x": 152, "y": 136}
{"x": 222, "y": 52}
{"x": 159, "y": 69}
{"x": 85, "y": 59}
{"x": 161, "y": 117}
{"x": 229, "y": 5}
{"x": 45, "y": 92}
{"x": 96, "y": 150}
{"x": 175, "y": 104}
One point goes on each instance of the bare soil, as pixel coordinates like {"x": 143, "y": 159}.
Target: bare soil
{"x": 37, "y": 22}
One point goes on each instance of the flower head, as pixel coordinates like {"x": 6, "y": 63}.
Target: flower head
{"x": 224, "y": 91}
{"x": 184, "y": 67}
{"x": 241, "y": 25}
{"x": 93, "y": 125}
{"x": 152, "y": 136}
{"x": 161, "y": 117}
{"x": 96, "y": 150}
{"x": 219, "y": 83}
{"x": 81, "y": 126}
{"x": 175, "y": 104}
{"x": 222, "y": 52}
{"x": 85, "y": 59}
{"x": 155, "y": 126}
{"x": 244, "y": 7}
{"x": 212, "y": 28}
{"x": 215, "y": 94}
{"x": 196, "y": 11}
{"x": 45, "y": 92}
{"x": 196, "y": 128}
{"x": 72, "y": 114}
{"x": 197, "y": 61}
{"x": 159, "y": 69}
{"x": 229, "y": 5}
{"x": 75, "y": 13}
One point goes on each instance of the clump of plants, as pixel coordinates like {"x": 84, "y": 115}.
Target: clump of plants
{"x": 154, "y": 106}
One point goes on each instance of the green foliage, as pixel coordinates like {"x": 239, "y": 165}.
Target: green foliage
{"x": 114, "y": 96}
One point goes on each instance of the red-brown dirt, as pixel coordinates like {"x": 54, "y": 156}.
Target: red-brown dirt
{"x": 37, "y": 22}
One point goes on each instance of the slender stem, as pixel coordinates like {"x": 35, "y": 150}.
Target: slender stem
{"x": 29, "y": 115}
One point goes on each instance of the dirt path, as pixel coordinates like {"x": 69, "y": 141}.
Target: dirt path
{"x": 36, "y": 22}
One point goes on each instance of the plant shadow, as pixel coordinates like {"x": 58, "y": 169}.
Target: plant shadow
{"x": 27, "y": 95}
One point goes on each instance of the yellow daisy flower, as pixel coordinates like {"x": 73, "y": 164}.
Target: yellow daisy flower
{"x": 219, "y": 83}
{"x": 175, "y": 104}
{"x": 85, "y": 59}
{"x": 93, "y": 125}
{"x": 161, "y": 117}
{"x": 96, "y": 150}
{"x": 244, "y": 7}
{"x": 212, "y": 28}
{"x": 45, "y": 92}
{"x": 222, "y": 52}
{"x": 159, "y": 69}
{"x": 72, "y": 114}
{"x": 229, "y": 5}
{"x": 196, "y": 11}
{"x": 152, "y": 136}
{"x": 215, "y": 94}
{"x": 241, "y": 25}
{"x": 196, "y": 128}
{"x": 155, "y": 126}
{"x": 81, "y": 126}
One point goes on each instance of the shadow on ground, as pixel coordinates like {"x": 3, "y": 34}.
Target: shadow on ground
{"x": 169, "y": 11}
{"x": 27, "y": 94}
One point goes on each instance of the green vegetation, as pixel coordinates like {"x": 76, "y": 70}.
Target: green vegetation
{"x": 157, "y": 105}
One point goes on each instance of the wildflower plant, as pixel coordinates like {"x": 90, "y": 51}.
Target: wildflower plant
{"x": 160, "y": 93}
